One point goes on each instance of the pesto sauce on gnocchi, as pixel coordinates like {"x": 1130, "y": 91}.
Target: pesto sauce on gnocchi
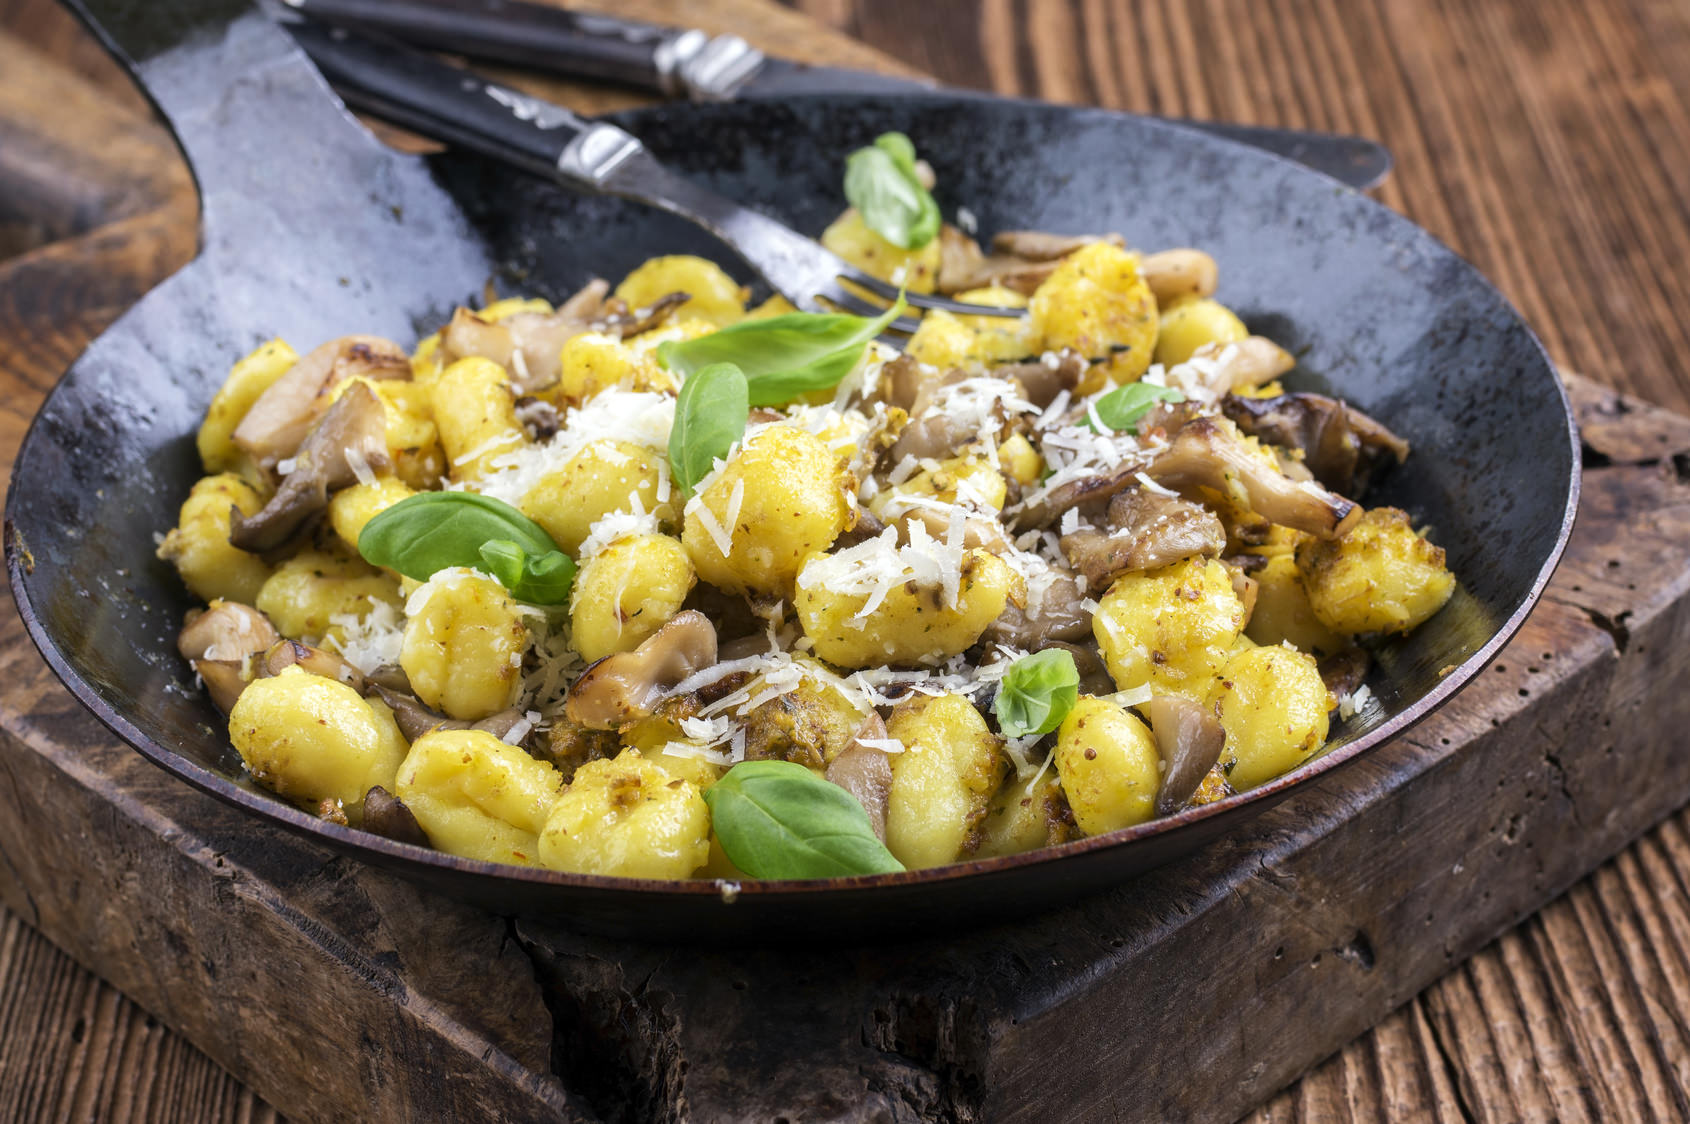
{"x": 1108, "y": 501}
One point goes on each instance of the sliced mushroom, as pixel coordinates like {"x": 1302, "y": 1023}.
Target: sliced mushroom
{"x": 903, "y": 381}
{"x": 963, "y": 265}
{"x": 227, "y": 630}
{"x": 865, "y": 771}
{"x": 1245, "y": 588}
{"x": 413, "y": 718}
{"x": 282, "y": 416}
{"x": 389, "y": 675}
{"x": 386, "y": 815}
{"x": 1210, "y": 453}
{"x": 628, "y": 685}
{"x": 1342, "y": 446}
{"x": 224, "y": 680}
{"x": 867, "y": 527}
{"x": 1146, "y": 531}
{"x": 539, "y": 419}
{"x": 1057, "y": 615}
{"x": 1190, "y": 740}
{"x": 1088, "y": 661}
{"x": 1086, "y": 491}
{"x": 1040, "y": 381}
{"x": 981, "y": 530}
{"x": 351, "y": 438}
{"x": 1217, "y": 369}
{"x": 624, "y": 322}
{"x": 1172, "y": 274}
{"x": 291, "y": 653}
{"x": 1343, "y": 671}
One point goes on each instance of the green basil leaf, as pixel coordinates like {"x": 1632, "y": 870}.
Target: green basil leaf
{"x": 779, "y": 820}
{"x": 1037, "y": 692}
{"x": 783, "y": 356}
{"x": 504, "y": 560}
{"x": 432, "y": 531}
{"x": 881, "y": 183}
{"x": 710, "y": 415}
{"x": 1122, "y": 407}
{"x": 546, "y": 580}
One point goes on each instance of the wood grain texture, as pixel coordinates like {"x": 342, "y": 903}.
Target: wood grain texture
{"x": 1546, "y": 141}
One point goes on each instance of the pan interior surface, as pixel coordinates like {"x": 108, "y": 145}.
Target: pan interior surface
{"x": 314, "y": 231}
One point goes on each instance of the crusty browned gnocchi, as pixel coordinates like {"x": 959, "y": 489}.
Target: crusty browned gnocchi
{"x": 658, "y": 583}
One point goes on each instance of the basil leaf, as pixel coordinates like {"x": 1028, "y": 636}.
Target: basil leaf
{"x": 710, "y": 415}
{"x": 779, "y": 820}
{"x": 881, "y": 183}
{"x": 432, "y": 531}
{"x": 783, "y": 356}
{"x": 1037, "y": 692}
{"x": 1123, "y": 407}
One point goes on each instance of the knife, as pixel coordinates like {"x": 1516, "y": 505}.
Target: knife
{"x": 690, "y": 63}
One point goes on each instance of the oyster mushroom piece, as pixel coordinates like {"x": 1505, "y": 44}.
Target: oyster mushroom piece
{"x": 1086, "y": 490}
{"x": 291, "y": 653}
{"x": 1146, "y": 531}
{"x": 1342, "y": 446}
{"x": 1209, "y": 453}
{"x": 227, "y": 630}
{"x": 865, "y": 771}
{"x": 350, "y": 440}
{"x": 224, "y": 680}
{"x": 1021, "y": 259}
{"x": 1189, "y": 739}
{"x": 1058, "y": 616}
{"x": 628, "y": 685}
{"x": 1040, "y": 381}
{"x": 283, "y": 415}
{"x": 386, "y": 815}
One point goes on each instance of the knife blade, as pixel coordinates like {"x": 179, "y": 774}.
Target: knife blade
{"x": 680, "y": 62}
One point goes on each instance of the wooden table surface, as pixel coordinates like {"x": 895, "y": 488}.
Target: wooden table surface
{"x": 1548, "y": 141}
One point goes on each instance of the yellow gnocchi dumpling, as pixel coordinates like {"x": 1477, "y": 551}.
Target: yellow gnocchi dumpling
{"x": 1109, "y": 766}
{"x": 313, "y": 739}
{"x": 599, "y": 478}
{"x": 1097, "y": 304}
{"x": 780, "y": 499}
{"x": 1274, "y": 708}
{"x": 477, "y": 797}
{"x": 309, "y": 590}
{"x": 627, "y": 817}
{"x": 463, "y": 646}
{"x": 626, "y": 591}
{"x": 716, "y": 297}
{"x": 942, "y": 781}
{"x": 199, "y": 543}
{"x": 1171, "y": 628}
{"x": 475, "y": 413}
{"x": 1378, "y": 577}
{"x": 855, "y": 241}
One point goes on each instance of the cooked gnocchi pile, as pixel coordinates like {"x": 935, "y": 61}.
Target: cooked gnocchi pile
{"x": 658, "y": 585}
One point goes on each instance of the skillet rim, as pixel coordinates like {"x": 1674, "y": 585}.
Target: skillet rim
{"x": 420, "y": 860}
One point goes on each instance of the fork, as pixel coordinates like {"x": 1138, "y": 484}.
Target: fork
{"x": 449, "y": 104}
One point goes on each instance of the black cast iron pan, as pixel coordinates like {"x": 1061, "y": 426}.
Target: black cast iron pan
{"x": 314, "y": 230}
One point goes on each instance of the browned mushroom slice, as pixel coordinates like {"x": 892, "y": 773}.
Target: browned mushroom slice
{"x": 352, "y": 437}
{"x": 282, "y": 416}
{"x": 619, "y": 319}
{"x": 539, "y": 419}
{"x": 1342, "y": 446}
{"x": 1146, "y": 531}
{"x": 1040, "y": 381}
{"x": 1057, "y": 615}
{"x": 981, "y": 530}
{"x": 963, "y": 265}
{"x": 224, "y": 680}
{"x": 1088, "y": 661}
{"x": 1037, "y": 245}
{"x": 1085, "y": 491}
{"x": 386, "y": 815}
{"x": 865, "y": 771}
{"x": 413, "y": 718}
{"x": 526, "y": 344}
{"x": 1210, "y": 453}
{"x": 626, "y": 686}
{"x": 1224, "y": 368}
{"x": 291, "y": 653}
{"x": 1344, "y": 670}
{"x": 227, "y": 630}
{"x": 1190, "y": 741}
